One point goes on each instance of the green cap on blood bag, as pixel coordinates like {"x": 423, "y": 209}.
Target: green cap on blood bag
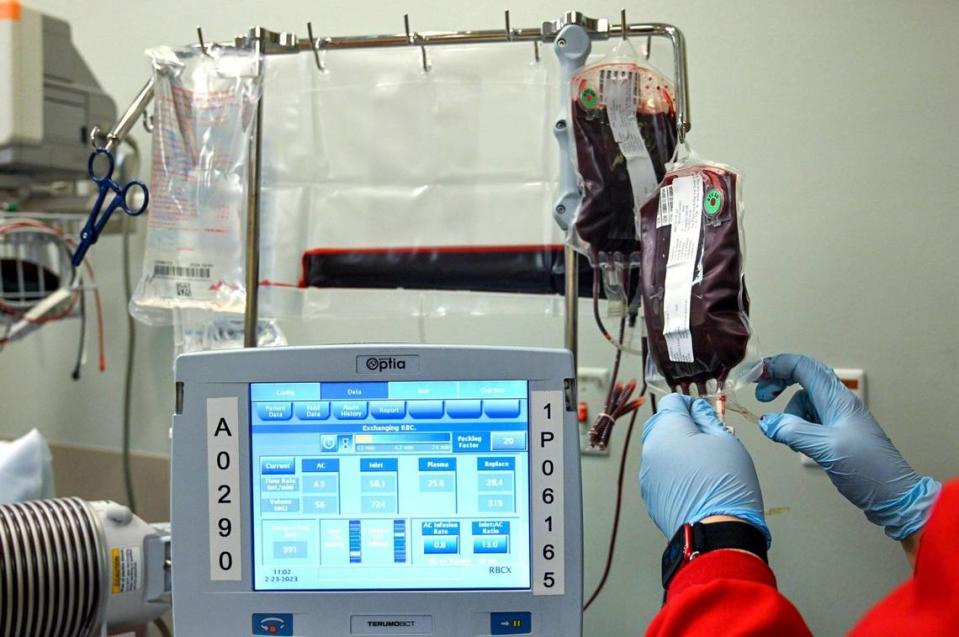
{"x": 588, "y": 98}
{"x": 713, "y": 202}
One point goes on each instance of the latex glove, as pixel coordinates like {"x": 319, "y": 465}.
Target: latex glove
{"x": 694, "y": 467}
{"x": 828, "y": 423}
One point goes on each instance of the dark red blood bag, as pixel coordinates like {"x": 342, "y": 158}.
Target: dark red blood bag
{"x": 624, "y": 133}
{"x": 694, "y": 295}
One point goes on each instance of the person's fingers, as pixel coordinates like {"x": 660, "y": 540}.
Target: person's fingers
{"x": 672, "y": 415}
{"x": 800, "y": 405}
{"x": 768, "y": 389}
{"x": 792, "y": 431}
{"x": 707, "y": 419}
{"x": 825, "y": 392}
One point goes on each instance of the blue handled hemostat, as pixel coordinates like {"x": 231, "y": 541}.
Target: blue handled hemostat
{"x": 98, "y": 217}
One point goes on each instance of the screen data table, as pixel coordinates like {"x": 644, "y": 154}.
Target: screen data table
{"x": 391, "y": 485}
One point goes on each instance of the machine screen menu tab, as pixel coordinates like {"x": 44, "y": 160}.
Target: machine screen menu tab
{"x": 390, "y": 485}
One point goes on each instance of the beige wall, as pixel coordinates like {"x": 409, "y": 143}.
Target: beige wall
{"x": 841, "y": 115}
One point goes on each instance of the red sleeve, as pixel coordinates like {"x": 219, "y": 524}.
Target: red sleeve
{"x": 927, "y": 604}
{"x": 726, "y": 593}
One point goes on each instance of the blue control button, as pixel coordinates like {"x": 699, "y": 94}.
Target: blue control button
{"x": 277, "y": 466}
{"x": 388, "y": 409}
{"x": 280, "y": 505}
{"x": 495, "y": 464}
{"x": 319, "y": 410}
{"x": 273, "y": 624}
{"x": 508, "y": 441}
{"x": 274, "y": 411}
{"x": 441, "y": 545}
{"x": 501, "y": 408}
{"x": 510, "y": 623}
{"x": 491, "y": 544}
{"x": 328, "y": 443}
{"x": 354, "y": 391}
{"x": 464, "y": 408}
{"x": 469, "y": 442}
{"x": 318, "y": 465}
{"x": 350, "y": 410}
{"x": 378, "y": 464}
{"x": 426, "y": 408}
{"x": 263, "y": 392}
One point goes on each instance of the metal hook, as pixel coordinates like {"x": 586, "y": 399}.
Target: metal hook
{"x": 426, "y": 62}
{"x": 412, "y": 38}
{"x": 509, "y": 29}
{"x": 622, "y": 22}
{"x": 314, "y": 45}
{"x": 199, "y": 35}
{"x": 148, "y": 122}
{"x": 536, "y": 50}
{"x": 649, "y": 46}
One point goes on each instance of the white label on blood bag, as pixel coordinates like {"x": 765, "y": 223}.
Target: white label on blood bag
{"x": 685, "y": 218}
{"x": 618, "y": 92}
{"x": 664, "y": 216}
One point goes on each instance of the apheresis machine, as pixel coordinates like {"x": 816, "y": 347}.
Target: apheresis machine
{"x": 376, "y": 490}
{"x": 331, "y": 491}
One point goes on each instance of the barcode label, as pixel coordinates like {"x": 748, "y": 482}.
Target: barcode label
{"x": 664, "y": 216}
{"x": 180, "y": 272}
{"x": 686, "y": 228}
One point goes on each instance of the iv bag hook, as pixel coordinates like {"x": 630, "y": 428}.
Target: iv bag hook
{"x": 199, "y": 36}
{"x": 412, "y": 39}
{"x": 314, "y": 45}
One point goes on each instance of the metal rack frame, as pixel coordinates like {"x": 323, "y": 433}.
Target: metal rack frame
{"x": 571, "y": 36}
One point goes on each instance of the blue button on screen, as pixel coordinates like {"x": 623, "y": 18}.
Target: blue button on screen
{"x": 511, "y": 623}
{"x": 349, "y": 410}
{"x": 318, "y": 410}
{"x": 441, "y": 545}
{"x": 339, "y": 391}
{"x": 317, "y": 465}
{"x": 464, "y": 408}
{"x": 388, "y": 409}
{"x": 274, "y": 411}
{"x": 277, "y": 466}
{"x": 501, "y": 408}
{"x": 491, "y": 544}
{"x": 273, "y": 624}
{"x": 426, "y": 408}
{"x": 508, "y": 441}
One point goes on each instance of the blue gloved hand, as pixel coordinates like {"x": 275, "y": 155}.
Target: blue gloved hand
{"x": 694, "y": 467}
{"x": 828, "y": 423}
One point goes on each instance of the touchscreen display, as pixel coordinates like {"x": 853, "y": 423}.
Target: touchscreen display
{"x": 390, "y": 485}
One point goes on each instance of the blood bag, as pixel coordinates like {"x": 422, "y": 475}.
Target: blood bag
{"x": 624, "y": 132}
{"x": 696, "y": 306}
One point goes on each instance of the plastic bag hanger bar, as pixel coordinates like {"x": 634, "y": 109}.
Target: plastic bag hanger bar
{"x": 276, "y": 43}
{"x": 271, "y": 42}
{"x": 265, "y": 42}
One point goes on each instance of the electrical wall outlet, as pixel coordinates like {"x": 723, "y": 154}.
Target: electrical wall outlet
{"x": 592, "y": 384}
{"x": 855, "y": 381}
